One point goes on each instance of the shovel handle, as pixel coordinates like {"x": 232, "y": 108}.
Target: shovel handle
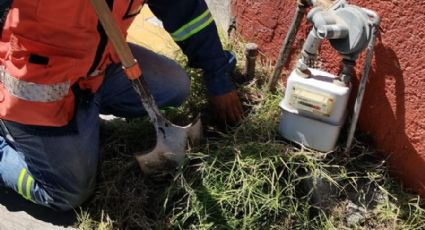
{"x": 131, "y": 68}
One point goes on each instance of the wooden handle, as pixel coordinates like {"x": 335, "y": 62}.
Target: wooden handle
{"x": 113, "y": 31}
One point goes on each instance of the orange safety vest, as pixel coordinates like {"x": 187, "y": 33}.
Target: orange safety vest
{"x": 46, "y": 47}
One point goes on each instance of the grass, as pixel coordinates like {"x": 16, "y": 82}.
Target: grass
{"x": 245, "y": 177}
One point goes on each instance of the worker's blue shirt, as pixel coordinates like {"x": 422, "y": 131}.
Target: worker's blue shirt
{"x": 192, "y": 27}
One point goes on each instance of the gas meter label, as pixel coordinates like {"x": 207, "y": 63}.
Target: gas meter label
{"x": 311, "y": 101}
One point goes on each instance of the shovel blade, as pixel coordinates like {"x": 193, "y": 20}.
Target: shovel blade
{"x": 194, "y": 132}
{"x": 170, "y": 148}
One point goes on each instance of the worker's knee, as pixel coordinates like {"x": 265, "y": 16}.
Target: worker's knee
{"x": 74, "y": 191}
{"x": 62, "y": 195}
{"x": 70, "y": 200}
{"x": 72, "y": 182}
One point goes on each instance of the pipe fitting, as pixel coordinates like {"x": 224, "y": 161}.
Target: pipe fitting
{"x": 319, "y": 17}
{"x": 346, "y": 75}
{"x": 312, "y": 43}
{"x": 251, "y": 53}
{"x": 303, "y": 69}
{"x": 337, "y": 31}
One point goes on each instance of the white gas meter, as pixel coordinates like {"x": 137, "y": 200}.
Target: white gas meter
{"x": 314, "y": 108}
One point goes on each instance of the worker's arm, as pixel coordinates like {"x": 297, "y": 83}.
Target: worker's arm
{"x": 192, "y": 27}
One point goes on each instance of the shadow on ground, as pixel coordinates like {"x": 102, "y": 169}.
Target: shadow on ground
{"x": 19, "y": 210}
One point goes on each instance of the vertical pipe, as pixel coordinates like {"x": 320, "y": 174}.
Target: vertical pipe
{"x": 346, "y": 75}
{"x": 363, "y": 80}
{"x": 311, "y": 48}
{"x": 287, "y": 43}
{"x": 251, "y": 53}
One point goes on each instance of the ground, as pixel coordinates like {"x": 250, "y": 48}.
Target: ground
{"x": 244, "y": 176}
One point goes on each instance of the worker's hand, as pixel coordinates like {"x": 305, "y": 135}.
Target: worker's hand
{"x": 227, "y": 107}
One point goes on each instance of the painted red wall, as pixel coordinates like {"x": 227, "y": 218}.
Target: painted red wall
{"x": 394, "y": 105}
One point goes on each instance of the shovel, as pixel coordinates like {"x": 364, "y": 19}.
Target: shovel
{"x": 171, "y": 139}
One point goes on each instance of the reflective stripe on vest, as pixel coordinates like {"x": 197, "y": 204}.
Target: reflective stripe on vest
{"x": 193, "y": 27}
{"x": 34, "y": 92}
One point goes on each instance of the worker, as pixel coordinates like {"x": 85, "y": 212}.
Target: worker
{"x": 58, "y": 72}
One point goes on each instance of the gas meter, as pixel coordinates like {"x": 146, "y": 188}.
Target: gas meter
{"x": 315, "y": 104}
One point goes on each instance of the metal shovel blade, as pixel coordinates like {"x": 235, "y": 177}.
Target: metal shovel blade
{"x": 170, "y": 149}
